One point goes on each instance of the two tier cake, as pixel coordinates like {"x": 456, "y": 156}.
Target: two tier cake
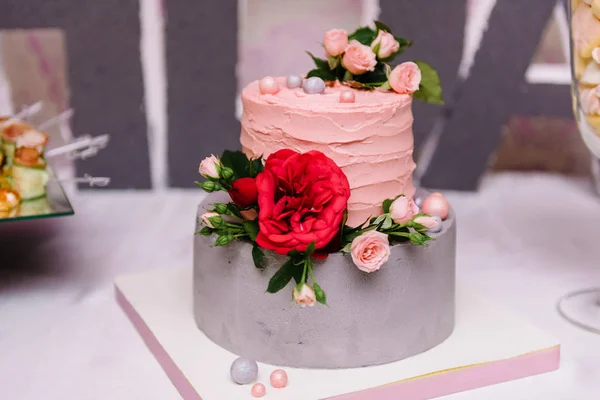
{"x": 320, "y": 207}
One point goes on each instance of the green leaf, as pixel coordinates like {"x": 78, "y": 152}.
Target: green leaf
{"x": 386, "y": 205}
{"x": 324, "y": 74}
{"x": 319, "y": 293}
{"x": 295, "y": 254}
{"x": 256, "y": 166}
{"x": 206, "y": 231}
{"x": 238, "y": 162}
{"x": 374, "y": 78}
{"x": 430, "y": 89}
{"x": 282, "y": 277}
{"x": 387, "y": 222}
{"x": 258, "y": 256}
{"x": 418, "y": 238}
{"x": 382, "y": 27}
{"x": 251, "y": 228}
{"x": 364, "y": 35}
{"x": 347, "y": 248}
{"x": 319, "y": 62}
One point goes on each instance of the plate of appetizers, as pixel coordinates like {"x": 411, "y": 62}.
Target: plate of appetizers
{"x": 28, "y": 186}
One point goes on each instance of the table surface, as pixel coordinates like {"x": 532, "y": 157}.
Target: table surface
{"x": 524, "y": 240}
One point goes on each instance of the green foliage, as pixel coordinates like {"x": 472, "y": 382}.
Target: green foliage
{"x": 238, "y": 162}
{"x": 282, "y": 277}
{"x": 382, "y": 27}
{"x": 325, "y": 74}
{"x": 430, "y": 89}
{"x": 251, "y": 228}
{"x": 258, "y": 256}
{"x": 319, "y": 62}
{"x": 364, "y": 35}
{"x": 206, "y": 231}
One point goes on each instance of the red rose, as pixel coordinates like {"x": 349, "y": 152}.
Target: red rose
{"x": 301, "y": 199}
{"x": 243, "y": 192}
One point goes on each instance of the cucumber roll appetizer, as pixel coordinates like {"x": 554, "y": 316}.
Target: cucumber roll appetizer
{"x": 29, "y": 174}
{"x": 11, "y": 130}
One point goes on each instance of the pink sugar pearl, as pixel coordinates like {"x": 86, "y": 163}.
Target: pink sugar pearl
{"x": 279, "y": 379}
{"x": 268, "y": 85}
{"x": 436, "y": 204}
{"x": 347, "y": 96}
{"x": 258, "y": 390}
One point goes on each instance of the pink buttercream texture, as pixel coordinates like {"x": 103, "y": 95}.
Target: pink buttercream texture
{"x": 371, "y": 140}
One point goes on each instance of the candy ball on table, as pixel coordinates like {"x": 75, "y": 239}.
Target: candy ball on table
{"x": 313, "y": 85}
{"x": 243, "y": 371}
{"x": 347, "y": 96}
{"x": 279, "y": 379}
{"x": 436, "y": 204}
{"x": 258, "y": 390}
{"x": 293, "y": 81}
{"x": 268, "y": 85}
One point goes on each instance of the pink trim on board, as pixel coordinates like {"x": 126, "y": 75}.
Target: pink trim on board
{"x": 183, "y": 386}
{"x": 425, "y": 387}
{"x": 462, "y": 379}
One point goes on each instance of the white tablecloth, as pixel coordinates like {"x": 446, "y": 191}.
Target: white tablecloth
{"x": 524, "y": 240}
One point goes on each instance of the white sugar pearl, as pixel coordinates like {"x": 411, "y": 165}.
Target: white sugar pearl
{"x": 294, "y": 81}
{"x": 313, "y": 85}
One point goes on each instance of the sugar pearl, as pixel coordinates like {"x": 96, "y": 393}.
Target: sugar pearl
{"x": 279, "y": 379}
{"x": 438, "y": 226}
{"x": 347, "y": 96}
{"x": 268, "y": 85}
{"x": 243, "y": 371}
{"x": 259, "y": 390}
{"x": 293, "y": 81}
{"x": 436, "y": 204}
{"x": 313, "y": 85}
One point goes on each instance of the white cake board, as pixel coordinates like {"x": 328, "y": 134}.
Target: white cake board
{"x": 488, "y": 346}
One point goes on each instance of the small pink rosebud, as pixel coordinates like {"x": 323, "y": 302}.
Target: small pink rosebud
{"x": 427, "y": 221}
{"x": 209, "y": 167}
{"x": 403, "y": 209}
{"x": 335, "y": 42}
{"x": 370, "y": 251}
{"x": 436, "y": 204}
{"x": 305, "y": 296}
{"x": 405, "y": 78}
{"x": 385, "y": 44}
{"x": 206, "y": 218}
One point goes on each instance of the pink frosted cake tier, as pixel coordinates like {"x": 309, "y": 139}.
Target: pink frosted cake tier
{"x": 370, "y": 139}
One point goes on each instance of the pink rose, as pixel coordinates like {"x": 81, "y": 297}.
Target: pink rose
{"x": 335, "y": 42}
{"x": 305, "y": 296}
{"x": 403, "y": 209}
{"x": 385, "y": 44}
{"x": 405, "y": 78}
{"x": 427, "y": 221}
{"x": 370, "y": 251}
{"x": 359, "y": 58}
{"x": 209, "y": 167}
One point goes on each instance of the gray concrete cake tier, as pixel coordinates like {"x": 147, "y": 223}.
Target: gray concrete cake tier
{"x": 404, "y": 309}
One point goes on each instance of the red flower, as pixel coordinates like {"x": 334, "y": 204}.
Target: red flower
{"x": 301, "y": 199}
{"x": 243, "y": 192}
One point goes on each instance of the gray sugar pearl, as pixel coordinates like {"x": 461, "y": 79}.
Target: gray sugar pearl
{"x": 243, "y": 371}
{"x": 294, "y": 81}
{"x": 313, "y": 85}
{"x": 438, "y": 226}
